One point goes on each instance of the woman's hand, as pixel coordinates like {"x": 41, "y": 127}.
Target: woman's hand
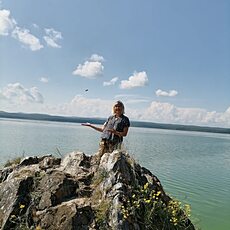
{"x": 86, "y": 124}
{"x": 121, "y": 134}
{"x": 92, "y": 126}
{"x": 114, "y": 132}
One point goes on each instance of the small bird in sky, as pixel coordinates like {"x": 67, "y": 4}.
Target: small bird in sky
{"x": 86, "y": 90}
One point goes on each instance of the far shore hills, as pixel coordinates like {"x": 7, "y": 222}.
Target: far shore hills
{"x": 144, "y": 124}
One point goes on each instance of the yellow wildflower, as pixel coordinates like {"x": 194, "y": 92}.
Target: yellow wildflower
{"x": 158, "y": 193}
{"x": 146, "y": 186}
{"x": 22, "y": 206}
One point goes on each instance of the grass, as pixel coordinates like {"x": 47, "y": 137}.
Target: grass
{"x": 100, "y": 176}
{"x": 101, "y": 214}
{"x": 101, "y": 206}
{"x": 13, "y": 162}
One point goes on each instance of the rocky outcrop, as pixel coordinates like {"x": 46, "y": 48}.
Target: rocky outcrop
{"x": 84, "y": 192}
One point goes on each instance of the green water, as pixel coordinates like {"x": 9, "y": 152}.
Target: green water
{"x": 192, "y": 167}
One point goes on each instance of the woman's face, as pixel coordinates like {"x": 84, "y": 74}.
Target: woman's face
{"x": 117, "y": 109}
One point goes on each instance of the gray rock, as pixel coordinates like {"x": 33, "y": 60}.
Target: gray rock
{"x": 77, "y": 192}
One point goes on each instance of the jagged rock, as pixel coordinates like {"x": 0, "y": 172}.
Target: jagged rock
{"x": 4, "y": 173}
{"x": 77, "y": 192}
{"x": 49, "y": 162}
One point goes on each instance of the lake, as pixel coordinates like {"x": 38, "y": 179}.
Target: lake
{"x": 193, "y": 167}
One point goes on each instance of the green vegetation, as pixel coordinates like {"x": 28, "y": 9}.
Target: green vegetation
{"x": 101, "y": 175}
{"x": 102, "y": 214}
{"x": 59, "y": 152}
{"x": 12, "y": 162}
{"x": 19, "y": 220}
{"x": 101, "y": 206}
{"x": 147, "y": 208}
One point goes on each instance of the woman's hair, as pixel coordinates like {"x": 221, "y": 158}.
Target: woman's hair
{"x": 120, "y": 104}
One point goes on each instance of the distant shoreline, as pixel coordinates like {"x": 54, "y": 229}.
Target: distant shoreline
{"x": 144, "y": 124}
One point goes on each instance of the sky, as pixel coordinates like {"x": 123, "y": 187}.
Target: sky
{"x": 167, "y": 61}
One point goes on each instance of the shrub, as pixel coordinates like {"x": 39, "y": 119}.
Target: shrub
{"x": 147, "y": 208}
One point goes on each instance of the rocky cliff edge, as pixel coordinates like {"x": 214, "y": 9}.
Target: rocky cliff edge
{"x": 84, "y": 192}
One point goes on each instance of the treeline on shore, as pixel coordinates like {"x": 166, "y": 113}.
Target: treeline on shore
{"x": 144, "y": 124}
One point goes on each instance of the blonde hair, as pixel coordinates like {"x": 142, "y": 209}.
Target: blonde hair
{"x": 122, "y": 107}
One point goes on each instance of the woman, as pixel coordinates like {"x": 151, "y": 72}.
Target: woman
{"x": 114, "y": 129}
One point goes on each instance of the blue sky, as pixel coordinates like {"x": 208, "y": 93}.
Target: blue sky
{"x": 168, "y": 61}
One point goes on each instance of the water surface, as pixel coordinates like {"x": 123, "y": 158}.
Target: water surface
{"x": 193, "y": 167}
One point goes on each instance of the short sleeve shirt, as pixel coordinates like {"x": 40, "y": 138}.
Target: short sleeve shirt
{"x": 118, "y": 124}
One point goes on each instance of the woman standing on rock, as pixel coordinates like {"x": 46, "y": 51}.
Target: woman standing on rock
{"x": 114, "y": 129}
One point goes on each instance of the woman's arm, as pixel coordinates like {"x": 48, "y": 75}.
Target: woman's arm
{"x": 100, "y": 129}
{"x": 120, "y": 134}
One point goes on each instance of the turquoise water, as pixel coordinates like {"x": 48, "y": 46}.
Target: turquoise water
{"x": 192, "y": 167}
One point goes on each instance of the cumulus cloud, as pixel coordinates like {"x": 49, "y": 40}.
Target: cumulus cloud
{"x": 52, "y": 37}
{"x": 17, "y": 94}
{"x": 44, "y": 79}
{"x": 96, "y": 57}
{"x": 169, "y": 113}
{"x": 9, "y": 26}
{"x": 91, "y": 68}
{"x": 171, "y": 93}
{"x": 22, "y": 98}
{"x": 111, "y": 82}
{"x": 132, "y": 98}
{"x": 24, "y": 36}
{"x": 87, "y": 107}
{"x": 6, "y": 22}
{"x": 155, "y": 112}
{"x": 138, "y": 79}
{"x": 35, "y": 26}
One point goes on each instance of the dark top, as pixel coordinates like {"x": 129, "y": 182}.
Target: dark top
{"x": 115, "y": 123}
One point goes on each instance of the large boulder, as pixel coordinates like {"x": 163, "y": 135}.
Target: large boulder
{"x": 85, "y": 192}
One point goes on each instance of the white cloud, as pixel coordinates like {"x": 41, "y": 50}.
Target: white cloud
{"x": 18, "y": 94}
{"x": 155, "y": 112}
{"x": 138, "y": 79}
{"x": 6, "y": 22}
{"x": 52, "y": 37}
{"x": 171, "y": 93}
{"x": 159, "y": 111}
{"x": 25, "y": 37}
{"x": 90, "y": 69}
{"x": 111, "y": 82}
{"x": 131, "y": 98}
{"x": 96, "y": 57}
{"x": 9, "y": 26}
{"x": 44, "y": 79}
{"x": 87, "y": 107}
{"x": 35, "y": 26}
{"x": 169, "y": 113}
